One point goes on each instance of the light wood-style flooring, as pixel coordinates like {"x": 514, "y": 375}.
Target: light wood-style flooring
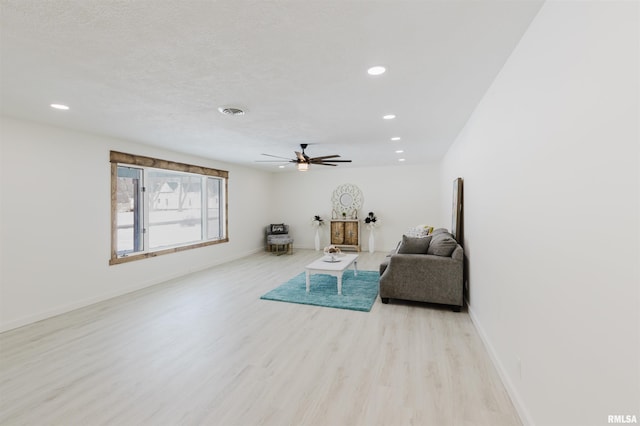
{"x": 205, "y": 350}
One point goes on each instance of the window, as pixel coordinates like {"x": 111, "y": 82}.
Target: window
{"x": 160, "y": 207}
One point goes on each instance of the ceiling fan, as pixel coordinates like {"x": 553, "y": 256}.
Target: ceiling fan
{"x": 303, "y": 161}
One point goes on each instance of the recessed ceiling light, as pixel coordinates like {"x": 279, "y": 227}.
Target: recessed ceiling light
{"x": 395, "y": 138}
{"x": 389, "y": 116}
{"x": 59, "y": 106}
{"x": 401, "y": 159}
{"x": 281, "y": 167}
{"x": 377, "y": 70}
{"x": 399, "y": 151}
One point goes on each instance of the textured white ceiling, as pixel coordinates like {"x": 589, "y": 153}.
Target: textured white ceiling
{"x": 156, "y": 71}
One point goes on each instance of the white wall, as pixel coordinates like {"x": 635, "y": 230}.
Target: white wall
{"x": 550, "y": 162}
{"x": 55, "y": 242}
{"x": 55, "y": 222}
{"x": 401, "y": 197}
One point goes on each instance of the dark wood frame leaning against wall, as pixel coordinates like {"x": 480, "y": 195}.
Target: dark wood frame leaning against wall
{"x": 456, "y": 211}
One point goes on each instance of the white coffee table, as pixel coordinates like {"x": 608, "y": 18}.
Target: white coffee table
{"x": 336, "y": 269}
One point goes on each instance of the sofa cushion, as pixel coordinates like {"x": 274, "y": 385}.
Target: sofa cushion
{"x": 279, "y": 239}
{"x": 442, "y": 245}
{"x": 439, "y": 231}
{"x": 413, "y": 245}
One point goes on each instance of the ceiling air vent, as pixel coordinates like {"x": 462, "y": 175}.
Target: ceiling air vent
{"x": 231, "y": 111}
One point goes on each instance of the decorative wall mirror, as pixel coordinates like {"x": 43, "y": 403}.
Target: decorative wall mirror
{"x": 347, "y": 199}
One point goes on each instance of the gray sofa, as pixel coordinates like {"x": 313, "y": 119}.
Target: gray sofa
{"x": 428, "y": 269}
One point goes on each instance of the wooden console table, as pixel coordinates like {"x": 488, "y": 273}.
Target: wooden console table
{"x": 345, "y": 234}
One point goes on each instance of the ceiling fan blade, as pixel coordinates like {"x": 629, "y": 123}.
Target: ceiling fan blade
{"x": 323, "y": 157}
{"x": 276, "y": 156}
{"x": 303, "y": 158}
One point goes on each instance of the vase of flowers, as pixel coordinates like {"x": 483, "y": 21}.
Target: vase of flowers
{"x": 317, "y": 222}
{"x": 371, "y": 221}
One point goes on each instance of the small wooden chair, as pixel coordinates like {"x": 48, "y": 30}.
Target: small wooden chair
{"x": 278, "y": 239}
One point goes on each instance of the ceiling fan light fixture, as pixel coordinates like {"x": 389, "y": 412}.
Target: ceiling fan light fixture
{"x": 303, "y": 161}
{"x": 230, "y": 111}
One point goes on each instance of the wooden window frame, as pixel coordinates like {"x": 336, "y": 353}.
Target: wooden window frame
{"x": 120, "y": 158}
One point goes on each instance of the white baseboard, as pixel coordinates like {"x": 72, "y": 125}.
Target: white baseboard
{"x": 516, "y": 399}
{"x": 216, "y": 262}
{"x": 63, "y": 309}
{"x": 59, "y": 310}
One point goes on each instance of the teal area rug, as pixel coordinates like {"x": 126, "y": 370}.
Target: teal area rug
{"x": 358, "y": 292}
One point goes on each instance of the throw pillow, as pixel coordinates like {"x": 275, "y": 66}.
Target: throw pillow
{"x": 412, "y": 245}
{"x": 442, "y": 245}
{"x": 419, "y": 231}
{"x": 278, "y": 228}
{"x": 425, "y": 228}
{"x": 411, "y": 232}
{"x": 439, "y": 231}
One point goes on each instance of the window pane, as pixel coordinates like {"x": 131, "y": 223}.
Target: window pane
{"x": 129, "y": 223}
{"x": 175, "y": 208}
{"x": 214, "y": 216}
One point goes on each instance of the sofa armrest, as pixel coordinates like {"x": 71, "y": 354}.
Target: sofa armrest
{"x": 385, "y": 262}
{"x": 458, "y": 254}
